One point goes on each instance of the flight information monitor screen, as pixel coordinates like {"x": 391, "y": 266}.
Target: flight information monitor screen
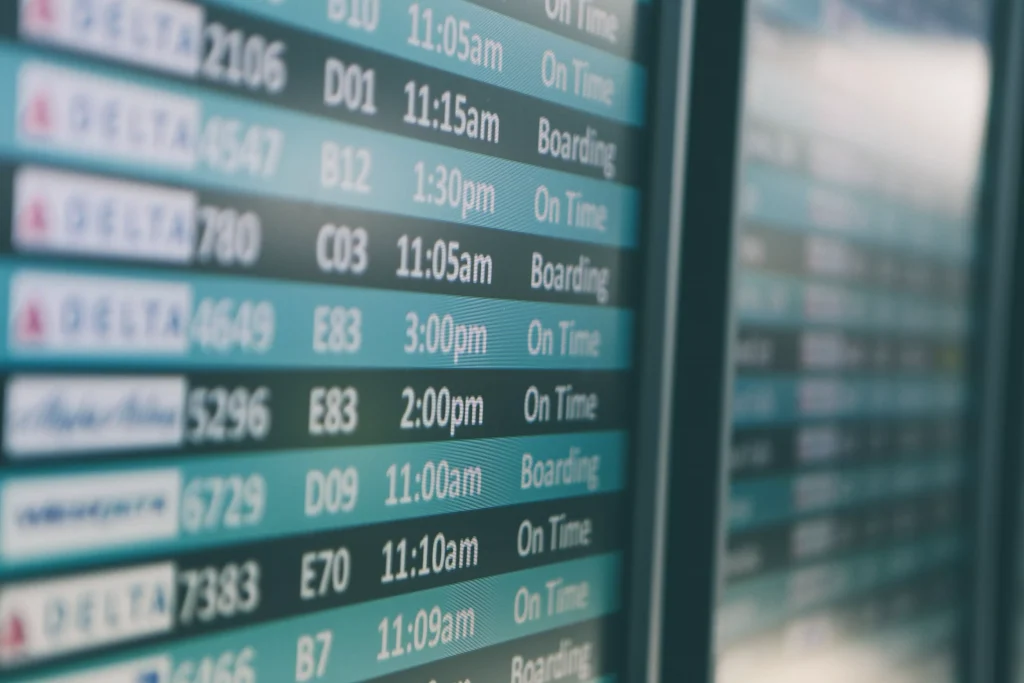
{"x": 319, "y": 326}
{"x": 845, "y": 530}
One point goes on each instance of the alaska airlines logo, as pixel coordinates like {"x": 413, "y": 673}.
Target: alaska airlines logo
{"x": 59, "y": 313}
{"x": 164, "y": 34}
{"x": 56, "y": 211}
{"x": 49, "y": 618}
{"x": 82, "y": 113}
{"x": 133, "y": 411}
{"x": 62, "y": 415}
{"x": 60, "y": 515}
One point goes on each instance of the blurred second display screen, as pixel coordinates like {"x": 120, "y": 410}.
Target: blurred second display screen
{"x": 862, "y": 129}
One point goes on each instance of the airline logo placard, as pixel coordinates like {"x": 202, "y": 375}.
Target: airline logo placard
{"x": 155, "y": 670}
{"x": 86, "y": 114}
{"x": 44, "y": 619}
{"x": 59, "y": 415}
{"x": 58, "y": 313}
{"x": 54, "y": 516}
{"x": 161, "y": 34}
{"x": 80, "y": 214}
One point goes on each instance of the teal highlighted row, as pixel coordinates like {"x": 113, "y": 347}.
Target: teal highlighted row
{"x": 471, "y": 41}
{"x": 758, "y": 604}
{"x": 768, "y": 298}
{"x": 284, "y": 493}
{"x": 763, "y": 400}
{"x": 160, "y": 131}
{"x": 395, "y": 634}
{"x": 170, "y": 320}
{"x": 772, "y": 500}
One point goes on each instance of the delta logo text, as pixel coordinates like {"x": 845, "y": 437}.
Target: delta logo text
{"x": 164, "y": 34}
{"x": 58, "y": 313}
{"x": 81, "y": 214}
{"x": 46, "y": 619}
{"x": 85, "y": 114}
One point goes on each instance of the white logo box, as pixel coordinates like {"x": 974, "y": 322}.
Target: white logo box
{"x": 81, "y": 314}
{"x": 80, "y": 214}
{"x": 61, "y": 415}
{"x": 78, "y": 112}
{"x": 156, "y": 670}
{"x": 160, "y": 34}
{"x": 61, "y": 616}
{"x": 38, "y": 515}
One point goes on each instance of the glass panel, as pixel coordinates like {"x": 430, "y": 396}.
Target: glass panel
{"x": 861, "y": 140}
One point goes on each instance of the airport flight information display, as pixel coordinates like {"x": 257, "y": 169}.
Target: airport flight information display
{"x": 319, "y": 333}
{"x": 845, "y": 528}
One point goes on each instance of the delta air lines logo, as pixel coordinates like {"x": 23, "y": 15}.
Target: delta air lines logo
{"x": 100, "y": 117}
{"x": 61, "y": 314}
{"x": 64, "y": 212}
{"x": 162, "y": 34}
{"x": 45, "y": 619}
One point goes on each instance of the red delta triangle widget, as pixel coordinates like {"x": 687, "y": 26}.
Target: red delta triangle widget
{"x": 34, "y": 220}
{"x": 30, "y": 327}
{"x": 37, "y": 118}
{"x": 13, "y": 638}
{"x": 39, "y": 14}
